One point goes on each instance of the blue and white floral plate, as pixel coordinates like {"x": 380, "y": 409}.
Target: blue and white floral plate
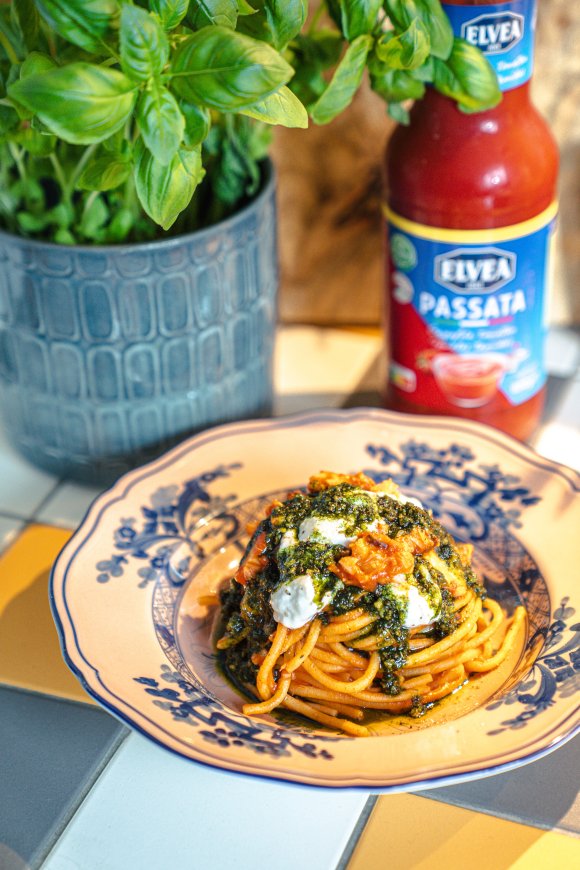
{"x": 125, "y": 594}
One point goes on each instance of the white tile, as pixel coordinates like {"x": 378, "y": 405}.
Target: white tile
{"x": 563, "y": 351}
{"x": 68, "y": 505}
{"x": 9, "y": 528}
{"x": 23, "y": 487}
{"x": 152, "y": 810}
{"x": 560, "y": 438}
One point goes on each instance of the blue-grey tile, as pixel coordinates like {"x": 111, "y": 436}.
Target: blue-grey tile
{"x": 50, "y": 753}
{"x": 543, "y": 793}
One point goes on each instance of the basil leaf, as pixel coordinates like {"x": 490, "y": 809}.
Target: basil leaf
{"x": 237, "y": 148}
{"x": 26, "y": 16}
{"x": 63, "y": 215}
{"x": 244, "y": 8}
{"x": 85, "y": 23}
{"x": 64, "y": 237}
{"x": 275, "y": 21}
{"x": 468, "y": 77}
{"x": 105, "y": 172}
{"x": 358, "y": 17}
{"x": 161, "y": 123}
{"x": 31, "y": 223}
{"x": 202, "y": 13}
{"x": 36, "y": 62}
{"x": 81, "y": 103}
{"x": 226, "y": 70}
{"x": 38, "y": 144}
{"x": 197, "y": 123}
{"x": 170, "y": 12}
{"x": 399, "y": 113}
{"x": 116, "y": 142}
{"x": 282, "y": 108}
{"x": 403, "y": 12}
{"x": 409, "y": 50}
{"x": 164, "y": 191}
{"x": 9, "y": 119}
{"x": 426, "y": 72}
{"x": 121, "y": 225}
{"x": 284, "y": 19}
{"x": 94, "y": 217}
{"x": 395, "y": 85}
{"x": 144, "y": 45}
{"x": 333, "y": 7}
{"x": 312, "y": 55}
{"x": 344, "y": 83}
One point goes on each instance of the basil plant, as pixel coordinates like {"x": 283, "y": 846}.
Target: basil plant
{"x": 120, "y": 120}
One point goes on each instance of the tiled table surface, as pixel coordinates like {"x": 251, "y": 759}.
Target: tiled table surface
{"x": 79, "y": 790}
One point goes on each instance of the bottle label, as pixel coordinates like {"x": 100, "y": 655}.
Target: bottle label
{"x": 504, "y": 32}
{"x": 468, "y": 317}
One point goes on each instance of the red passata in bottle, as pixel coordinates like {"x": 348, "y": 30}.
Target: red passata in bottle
{"x": 471, "y": 209}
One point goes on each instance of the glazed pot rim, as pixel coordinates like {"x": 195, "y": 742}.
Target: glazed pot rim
{"x": 268, "y": 185}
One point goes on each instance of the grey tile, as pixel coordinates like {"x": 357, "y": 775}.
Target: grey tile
{"x": 50, "y": 753}
{"x": 23, "y": 487}
{"x": 543, "y": 793}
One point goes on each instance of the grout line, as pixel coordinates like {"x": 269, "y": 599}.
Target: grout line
{"x": 45, "y": 500}
{"x": 7, "y": 515}
{"x": 49, "y": 696}
{"x": 31, "y": 517}
{"x": 77, "y": 800}
{"x": 356, "y": 832}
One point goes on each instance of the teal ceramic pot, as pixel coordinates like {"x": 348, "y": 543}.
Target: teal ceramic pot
{"x": 109, "y": 355}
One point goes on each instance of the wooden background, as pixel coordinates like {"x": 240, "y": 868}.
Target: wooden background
{"x": 331, "y": 230}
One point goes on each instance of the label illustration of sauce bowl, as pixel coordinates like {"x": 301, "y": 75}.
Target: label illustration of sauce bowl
{"x": 469, "y": 381}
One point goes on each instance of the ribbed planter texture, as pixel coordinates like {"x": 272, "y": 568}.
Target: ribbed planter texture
{"x": 108, "y": 355}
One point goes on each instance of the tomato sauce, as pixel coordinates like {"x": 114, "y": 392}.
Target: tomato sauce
{"x": 471, "y": 207}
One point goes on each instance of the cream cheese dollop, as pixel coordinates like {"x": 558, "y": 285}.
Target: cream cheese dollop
{"x": 324, "y": 529}
{"x": 293, "y": 604}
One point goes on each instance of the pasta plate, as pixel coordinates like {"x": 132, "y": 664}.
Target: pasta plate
{"x": 127, "y": 593}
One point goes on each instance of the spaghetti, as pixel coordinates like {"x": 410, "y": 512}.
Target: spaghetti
{"x": 352, "y": 598}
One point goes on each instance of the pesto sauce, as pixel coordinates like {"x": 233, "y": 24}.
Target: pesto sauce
{"x": 290, "y": 513}
{"x": 355, "y": 508}
{"x": 446, "y": 552}
{"x": 247, "y": 613}
{"x": 313, "y": 558}
{"x": 429, "y": 581}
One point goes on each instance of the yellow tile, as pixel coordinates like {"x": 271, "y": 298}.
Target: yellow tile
{"x": 30, "y": 656}
{"x": 409, "y": 832}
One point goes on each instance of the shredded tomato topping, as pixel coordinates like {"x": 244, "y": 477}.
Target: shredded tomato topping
{"x": 325, "y": 479}
{"x": 255, "y": 561}
{"x": 419, "y": 540}
{"x": 374, "y": 558}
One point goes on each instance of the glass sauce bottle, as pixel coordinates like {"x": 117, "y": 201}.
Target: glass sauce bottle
{"x": 471, "y": 208}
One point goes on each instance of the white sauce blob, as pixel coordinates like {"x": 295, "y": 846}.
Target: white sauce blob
{"x": 419, "y": 610}
{"x": 322, "y": 529}
{"x": 293, "y": 603}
